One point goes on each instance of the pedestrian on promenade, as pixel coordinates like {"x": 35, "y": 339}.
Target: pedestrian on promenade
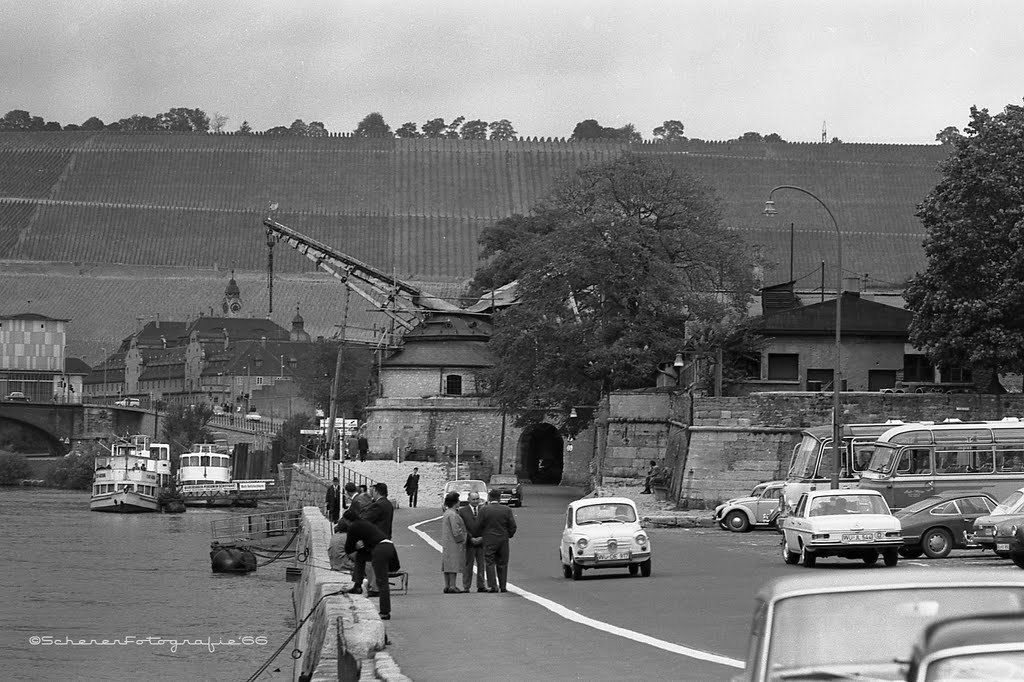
{"x": 379, "y": 512}
{"x": 364, "y": 447}
{"x": 474, "y": 545}
{"x": 412, "y": 486}
{"x": 497, "y": 527}
{"x": 365, "y": 539}
{"x": 334, "y": 501}
{"x": 336, "y": 552}
{"x": 453, "y": 543}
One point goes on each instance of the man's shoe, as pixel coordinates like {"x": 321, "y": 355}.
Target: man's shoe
{"x": 494, "y": 590}
{"x": 481, "y": 589}
{"x": 385, "y": 616}
{"x": 373, "y": 593}
{"x": 504, "y": 590}
{"x": 356, "y": 590}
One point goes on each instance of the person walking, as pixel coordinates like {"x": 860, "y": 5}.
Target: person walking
{"x": 365, "y": 539}
{"x": 497, "y": 527}
{"x": 364, "y": 447}
{"x": 412, "y": 486}
{"x": 334, "y": 501}
{"x": 453, "y": 543}
{"x": 474, "y": 545}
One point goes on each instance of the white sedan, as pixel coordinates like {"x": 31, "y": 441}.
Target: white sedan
{"x": 850, "y": 523}
{"x": 604, "y": 532}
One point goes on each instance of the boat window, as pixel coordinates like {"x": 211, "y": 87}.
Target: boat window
{"x": 204, "y": 460}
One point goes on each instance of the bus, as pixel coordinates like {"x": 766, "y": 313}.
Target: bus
{"x": 810, "y": 466}
{"x": 915, "y": 461}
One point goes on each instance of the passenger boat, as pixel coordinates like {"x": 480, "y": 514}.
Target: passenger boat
{"x": 130, "y": 479}
{"x": 205, "y": 479}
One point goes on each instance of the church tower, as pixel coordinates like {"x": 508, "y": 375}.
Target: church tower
{"x": 298, "y": 333}
{"x": 232, "y": 305}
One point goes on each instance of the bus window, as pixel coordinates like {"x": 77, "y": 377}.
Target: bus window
{"x": 982, "y": 460}
{"x": 914, "y": 461}
{"x": 863, "y": 451}
{"x": 1009, "y": 460}
{"x": 913, "y": 438}
{"x": 805, "y": 458}
{"x": 884, "y": 459}
{"x": 825, "y": 467}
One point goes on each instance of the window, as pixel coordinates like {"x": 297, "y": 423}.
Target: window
{"x": 783, "y": 366}
{"x": 259, "y": 381}
{"x": 453, "y": 384}
{"x": 956, "y": 375}
{"x": 918, "y": 368}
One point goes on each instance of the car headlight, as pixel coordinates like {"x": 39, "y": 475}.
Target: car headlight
{"x": 640, "y": 538}
{"x": 581, "y": 544}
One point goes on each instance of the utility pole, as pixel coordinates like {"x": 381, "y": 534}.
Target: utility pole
{"x": 336, "y": 384}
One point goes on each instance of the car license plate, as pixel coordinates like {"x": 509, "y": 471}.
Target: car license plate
{"x": 612, "y": 556}
{"x": 506, "y": 498}
{"x": 858, "y": 537}
{"x": 1002, "y": 546}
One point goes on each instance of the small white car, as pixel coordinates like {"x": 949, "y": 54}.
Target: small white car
{"x": 128, "y": 402}
{"x": 604, "y": 532}
{"x": 740, "y": 514}
{"x": 850, "y": 523}
{"x": 253, "y": 417}
{"x": 465, "y": 486}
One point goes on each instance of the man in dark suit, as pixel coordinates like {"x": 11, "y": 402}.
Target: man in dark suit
{"x": 497, "y": 527}
{"x": 363, "y": 538}
{"x": 412, "y": 486}
{"x": 379, "y": 512}
{"x": 474, "y": 545}
{"x": 334, "y": 501}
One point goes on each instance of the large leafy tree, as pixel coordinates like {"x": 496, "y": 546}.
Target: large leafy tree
{"x": 184, "y": 426}
{"x": 435, "y": 127}
{"x": 18, "y": 119}
{"x": 670, "y": 131}
{"x": 502, "y": 130}
{"x": 611, "y": 268}
{"x": 373, "y": 125}
{"x": 356, "y": 379}
{"x": 408, "y": 129}
{"x": 183, "y": 119}
{"x": 474, "y": 130}
{"x": 968, "y": 304}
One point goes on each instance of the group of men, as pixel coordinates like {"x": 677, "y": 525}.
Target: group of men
{"x": 488, "y": 530}
{"x": 366, "y": 524}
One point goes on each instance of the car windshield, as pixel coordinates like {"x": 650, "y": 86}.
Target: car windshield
{"x": 805, "y": 459}
{"x": 847, "y": 504}
{"x": 992, "y": 665}
{"x": 884, "y": 459}
{"x": 605, "y": 513}
{"x": 1011, "y": 504}
{"x": 468, "y": 487}
{"x": 503, "y": 479}
{"x": 823, "y": 629}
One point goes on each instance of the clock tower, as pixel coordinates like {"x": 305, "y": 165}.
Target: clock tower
{"x": 232, "y": 305}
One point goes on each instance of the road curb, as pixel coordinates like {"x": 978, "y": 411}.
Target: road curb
{"x": 669, "y": 520}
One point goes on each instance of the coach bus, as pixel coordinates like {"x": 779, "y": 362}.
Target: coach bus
{"x": 914, "y": 461}
{"x": 810, "y": 467}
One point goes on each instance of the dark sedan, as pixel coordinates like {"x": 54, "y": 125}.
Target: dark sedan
{"x": 1009, "y": 537}
{"x": 938, "y": 524}
{"x": 509, "y": 487}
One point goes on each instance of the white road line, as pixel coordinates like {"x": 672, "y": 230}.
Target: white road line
{"x": 562, "y": 611}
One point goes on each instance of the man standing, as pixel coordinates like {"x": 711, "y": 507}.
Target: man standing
{"x": 363, "y": 538}
{"x": 497, "y": 527}
{"x": 334, "y": 501}
{"x": 412, "y": 486}
{"x": 474, "y": 545}
{"x": 380, "y": 513}
{"x": 364, "y": 447}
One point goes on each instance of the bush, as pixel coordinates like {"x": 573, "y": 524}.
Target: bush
{"x": 74, "y": 472}
{"x": 13, "y": 469}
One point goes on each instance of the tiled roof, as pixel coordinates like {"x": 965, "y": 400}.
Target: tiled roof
{"x": 859, "y": 317}
{"x": 450, "y": 354}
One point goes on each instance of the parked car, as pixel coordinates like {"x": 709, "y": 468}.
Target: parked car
{"x": 253, "y": 417}
{"x": 977, "y": 647}
{"x": 756, "y": 510}
{"x": 1009, "y": 537}
{"x": 509, "y": 487}
{"x": 604, "y": 532}
{"x": 851, "y": 523}
{"x": 464, "y": 486}
{"x": 863, "y": 624}
{"x": 17, "y": 396}
{"x": 128, "y": 402}
{"x": 984, "y": 529}
{"x": 941, "y": 523}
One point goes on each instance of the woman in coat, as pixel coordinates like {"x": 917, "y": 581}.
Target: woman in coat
{"x": 453, "y": 543}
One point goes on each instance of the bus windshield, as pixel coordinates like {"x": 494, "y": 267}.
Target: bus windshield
{"x": 805, "y": 458}
{"x": 884, "y": 459}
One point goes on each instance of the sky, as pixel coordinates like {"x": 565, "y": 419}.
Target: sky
{"x": 893, "y": 71}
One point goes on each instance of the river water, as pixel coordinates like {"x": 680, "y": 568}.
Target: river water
{"x": 69, "y": 576}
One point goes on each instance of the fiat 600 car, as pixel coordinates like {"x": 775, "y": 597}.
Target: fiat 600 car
{"x": 756, "y": 510}
{"x": 604, "y": 532}
{"x": 851, "y": 523}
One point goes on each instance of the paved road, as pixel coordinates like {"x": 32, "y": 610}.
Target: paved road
{"x": 688, "y": 621}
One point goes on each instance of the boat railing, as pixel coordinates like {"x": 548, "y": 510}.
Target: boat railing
{"x": 248, "y": 527}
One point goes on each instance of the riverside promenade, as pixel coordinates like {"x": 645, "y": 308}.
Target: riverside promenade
{"x": 345, "y": 639}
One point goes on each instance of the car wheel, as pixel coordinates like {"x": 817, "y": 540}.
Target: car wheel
{"x": 891, "y": 557}
{"x": 787, "y": 556}
{"x": 1018, "y": 560}
{"x": 645, "y": 568}
{"x": 577, "y": 571}
{"x": 936, "y": 543}
{"x": 721, "y": 524}
{"x": 910, "y": 552}
{"x": 634, "y": 569}
{"x": 737, "y": 522}
{"x": 870, "y": 558}
{"x": 566, "y": 571}
{"x": 807, "y": 558}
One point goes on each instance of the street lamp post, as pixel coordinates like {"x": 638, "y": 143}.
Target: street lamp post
{"x": 104, "y": 349}
{"x": 837, "y": 416}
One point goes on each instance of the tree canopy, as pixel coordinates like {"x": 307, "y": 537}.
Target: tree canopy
{"x": 590, "y": 129}
{"x": 670, "y": 131}
{"x": 373, "y": 125}
{"x": 611, "y": 267}
{"x": 968, "y": 304}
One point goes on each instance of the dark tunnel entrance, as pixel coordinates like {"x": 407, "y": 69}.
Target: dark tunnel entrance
{"x": 541, "y": 454}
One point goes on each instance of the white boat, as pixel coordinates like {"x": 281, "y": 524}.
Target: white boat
{"x": 205, "y": 479}
{"x": 130, "y": 479}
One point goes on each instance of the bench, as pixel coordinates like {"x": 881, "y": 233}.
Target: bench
{"x": 399, "y": 580}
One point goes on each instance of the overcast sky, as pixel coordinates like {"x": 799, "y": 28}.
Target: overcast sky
{"x": 872, "y": 71}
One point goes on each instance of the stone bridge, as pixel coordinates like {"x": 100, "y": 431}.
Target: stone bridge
{"x": 63, "y": 424}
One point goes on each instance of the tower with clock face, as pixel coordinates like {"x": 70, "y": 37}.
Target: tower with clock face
{"x": 232, "y": 305}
